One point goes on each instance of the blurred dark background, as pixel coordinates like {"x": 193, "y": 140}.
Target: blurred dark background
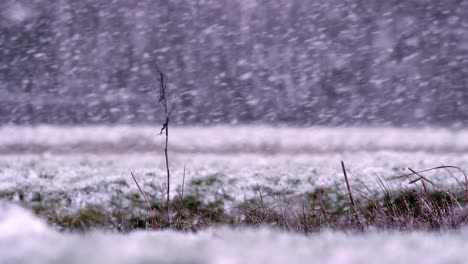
{"x": 303, "y": 62}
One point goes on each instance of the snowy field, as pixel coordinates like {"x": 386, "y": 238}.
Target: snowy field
{"x": 91, "y": 165}
{"x": 227, "y": 139}
{"x": 75, "y": 167}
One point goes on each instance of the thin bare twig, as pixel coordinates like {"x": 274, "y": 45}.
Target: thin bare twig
{"x": 163, "y": 100}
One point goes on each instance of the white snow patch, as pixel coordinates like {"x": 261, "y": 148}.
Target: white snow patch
{"x": 245, "y": 137}
{"x": 15, "y": 221}
{"x": 224, "y": 245}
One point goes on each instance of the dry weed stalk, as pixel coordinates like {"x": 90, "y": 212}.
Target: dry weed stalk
{"x": 163, "y": 100}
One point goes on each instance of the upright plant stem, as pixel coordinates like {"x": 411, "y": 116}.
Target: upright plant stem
{"x": 168, "y": 171}
{"x": 163, "y": 100}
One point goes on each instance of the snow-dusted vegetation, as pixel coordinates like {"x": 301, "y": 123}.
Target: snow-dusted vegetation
{"x": 91, "y": 165}
{"x": 67, "y": 185}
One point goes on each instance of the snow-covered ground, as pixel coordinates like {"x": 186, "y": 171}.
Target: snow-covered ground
{"x": 78, "y": 180}
{"x": 238, "y": 160}
{"x": 73, "y": 167}
{"x": 25, "y": 239}
{"x": 231, "y": 139}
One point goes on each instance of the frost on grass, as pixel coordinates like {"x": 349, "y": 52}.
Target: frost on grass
{"x": 75, "y": 181}
{"x": 34, "y": 242}
{"x": 86, "y": 191}
{"x": 68, "y": 170}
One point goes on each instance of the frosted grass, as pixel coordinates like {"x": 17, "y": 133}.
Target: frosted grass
{"x": 279, "y": 160}
{"x": 105, "y": 179}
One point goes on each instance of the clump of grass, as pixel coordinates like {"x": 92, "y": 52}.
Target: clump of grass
{"x": 83, "y": 220}
{"x": 421, "y": 204}
{"x": 206, "y": 181}
{"x": 409, "y": 209}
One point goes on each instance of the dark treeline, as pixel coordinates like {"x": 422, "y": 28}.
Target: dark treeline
{"x": 323, "y": 62}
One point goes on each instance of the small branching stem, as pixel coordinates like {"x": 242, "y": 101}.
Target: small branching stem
{"x": 163, "y": 100}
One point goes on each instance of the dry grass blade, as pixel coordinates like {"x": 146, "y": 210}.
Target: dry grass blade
{"x": 431, "y": 169}
{"x": 142, "y": 192}
{"x": 182, "y": 193}
{"x": 353, "y": 203}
